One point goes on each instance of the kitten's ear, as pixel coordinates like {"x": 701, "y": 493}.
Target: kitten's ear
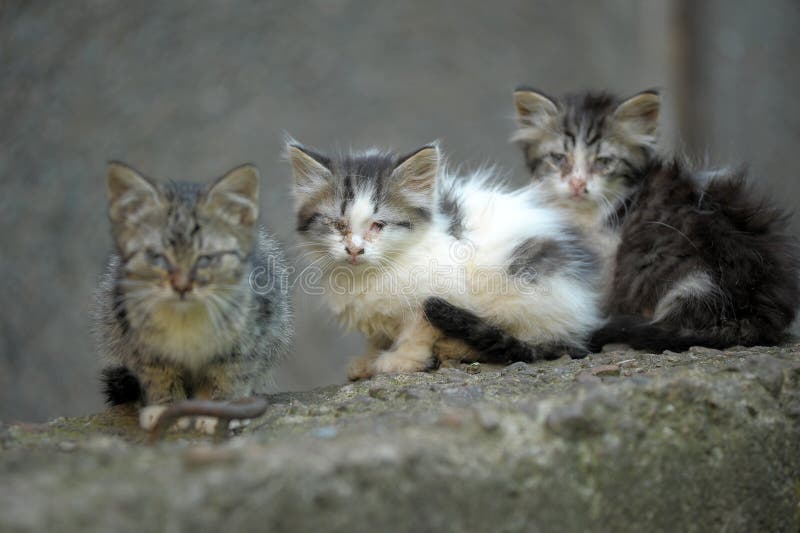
{"x": 639, "y": 113}
{"x": 130, "y": 194}
{"x": 310, "y": 170}
{"x": 533, "y": 107}
{"x": 234, "y": 197}
{"x": 417, "y": 171}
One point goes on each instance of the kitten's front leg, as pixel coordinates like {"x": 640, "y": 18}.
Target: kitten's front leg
{"x": 413, "y": 351}
{"x": 361, "y": 367}
{"x": 162, "y": 385}
{"x": 225, "y": 380}
{"x": 449, "y": 348}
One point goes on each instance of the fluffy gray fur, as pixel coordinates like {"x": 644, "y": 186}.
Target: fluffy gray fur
{"x": 195, "y": 299}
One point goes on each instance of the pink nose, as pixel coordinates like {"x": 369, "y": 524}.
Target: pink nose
{"x": 578, "y": 186}
{"x": 354, "y": 251}
{"x": 181, "y": 283}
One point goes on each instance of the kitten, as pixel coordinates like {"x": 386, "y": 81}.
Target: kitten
{"x": 693, "y": 258}
{"x": 194, "y": 302}
{"x": 412, "y": 255}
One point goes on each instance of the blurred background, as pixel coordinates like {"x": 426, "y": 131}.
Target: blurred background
{"x": 187, "y": 89}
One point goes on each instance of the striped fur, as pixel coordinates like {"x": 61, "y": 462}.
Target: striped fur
{"x": 194, "y": 301}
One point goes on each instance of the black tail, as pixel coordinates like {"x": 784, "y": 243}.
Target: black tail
{"x": 494, "y": 344}
{"x": 120, "y": 386}
{"x": 641, "y": 334}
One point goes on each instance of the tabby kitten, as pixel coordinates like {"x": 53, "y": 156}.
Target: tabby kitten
{"x": 194, "y": 302}
{"x": 413, "y": 256}
{"x": 693, "y": 258}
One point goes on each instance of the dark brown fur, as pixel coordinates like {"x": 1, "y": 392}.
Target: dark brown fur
{"x": 702, "y": 259}
{"x": 676, "y": 227}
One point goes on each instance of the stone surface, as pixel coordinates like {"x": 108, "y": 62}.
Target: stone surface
{"x": 698, "y": 441}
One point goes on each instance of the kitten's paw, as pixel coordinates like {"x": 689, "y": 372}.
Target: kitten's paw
{"x": 206, "y": 424}
{"x": 448, "y": 348}
{"x": 236, "y": 424}
{"x": 149, "y": 415}
{"x": 578, "y": 353}
{"x": 360, "y": 368}
{"x": 394, "y": 363}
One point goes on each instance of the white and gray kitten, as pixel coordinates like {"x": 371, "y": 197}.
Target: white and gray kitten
{"x": 194, "y": 302}
{"x": 415, "y": 258}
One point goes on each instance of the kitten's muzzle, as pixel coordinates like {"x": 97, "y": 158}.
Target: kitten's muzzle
{"x": 578, "y": 186}
{"x": 354, "y": 251}
{"x": 181, "y": 282}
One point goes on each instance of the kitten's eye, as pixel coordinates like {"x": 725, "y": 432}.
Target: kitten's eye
{"x": 557, "y": 158}
{"x": 603, "y": 163}
{"x": 205, "y": 261}
{"x": 377, "y": 226}
{"x": 340, "y": 225}
{"x": 157, "y": 260}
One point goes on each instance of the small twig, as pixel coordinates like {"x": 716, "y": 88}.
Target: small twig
{"x": 241, "y": 409}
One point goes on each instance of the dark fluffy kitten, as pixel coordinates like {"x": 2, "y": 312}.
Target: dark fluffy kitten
{"x": 695, "y": 258}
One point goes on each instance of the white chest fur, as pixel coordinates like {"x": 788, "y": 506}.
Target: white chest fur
{"x": 379, "y": 301}
{"x": 471, "y": 271}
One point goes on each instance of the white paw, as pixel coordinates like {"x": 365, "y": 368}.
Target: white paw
{"x": 235, "y": 424}
{"x": 206, "y": 424}
{"x": 398, "y": 363}
{"x": 184, "y": 422}
{"x": 148, "y": 416}
{"x": 360, "y": 368}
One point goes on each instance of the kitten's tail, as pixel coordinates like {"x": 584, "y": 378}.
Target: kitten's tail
{"x": 494, "y": 344}
{"x": 120, "y": 386}
{"x": 642, "y": 334}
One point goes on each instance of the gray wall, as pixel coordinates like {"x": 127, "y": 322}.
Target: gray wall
{"x": 186, "y": 89}
{"x": 746, "y": 83}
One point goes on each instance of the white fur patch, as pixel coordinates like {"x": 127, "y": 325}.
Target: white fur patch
{"x": 471, "y": 272}
{"x": 149, "y": 415}
{"x": 693, "y": 285}
{"x": 361, "y": 211}
{"x": 206, "y": 424}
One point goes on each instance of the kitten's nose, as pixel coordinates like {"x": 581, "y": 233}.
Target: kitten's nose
{"x": 578, "y": 186}
{"x": 354, "y": 250}
{"x": 181, "y": 283}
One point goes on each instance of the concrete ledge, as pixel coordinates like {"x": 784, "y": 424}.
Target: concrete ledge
{"x": 622, "y": 441}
